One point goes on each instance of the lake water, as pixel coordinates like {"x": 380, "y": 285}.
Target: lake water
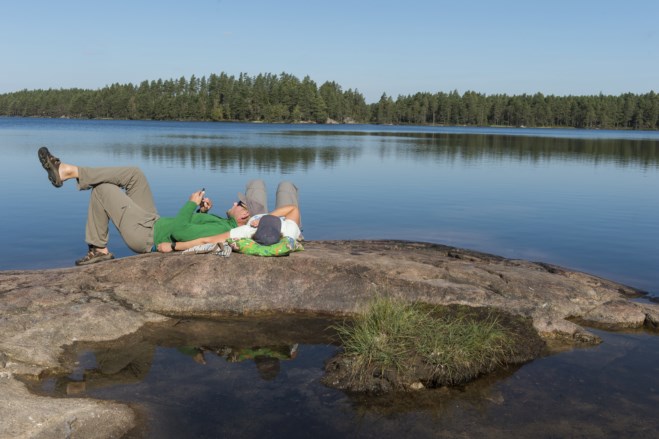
{"x": 586, "y": 200}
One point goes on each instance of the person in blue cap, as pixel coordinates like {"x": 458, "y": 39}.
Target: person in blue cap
{"x": 268, "y": 228}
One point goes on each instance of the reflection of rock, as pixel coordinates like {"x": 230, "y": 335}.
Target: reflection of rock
{"x": 47, "y": 309}
{"x": 439, "y": 402}
{"x": 119, "y": 364}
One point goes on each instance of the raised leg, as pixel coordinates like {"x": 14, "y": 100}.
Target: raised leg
{"x": 257, "y": 197}
{"x": 135, "y": 224}
{"x": 287, "y": 194}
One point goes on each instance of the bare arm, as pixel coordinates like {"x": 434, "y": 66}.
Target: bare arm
{"x": 166, "y": 247}
{"x": 291, "y": 212}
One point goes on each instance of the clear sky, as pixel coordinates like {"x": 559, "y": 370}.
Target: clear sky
{"x": 559, "y": 47}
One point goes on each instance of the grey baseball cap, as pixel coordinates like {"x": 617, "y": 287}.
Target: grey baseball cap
{"x": 269, "y": 230}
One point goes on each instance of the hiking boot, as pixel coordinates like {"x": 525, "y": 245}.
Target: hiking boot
{"x": 51, "y": 164}
{"x": 93, "y": 256}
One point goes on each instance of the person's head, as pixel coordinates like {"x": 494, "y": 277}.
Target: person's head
{"x": 239, "y": 212}
{"x": 268, "y": 367}
{"x": 269, "y": 230}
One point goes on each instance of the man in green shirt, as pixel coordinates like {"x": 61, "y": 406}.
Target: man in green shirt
{"x": 123, "y": 195}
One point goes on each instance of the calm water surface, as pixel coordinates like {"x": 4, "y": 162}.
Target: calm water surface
{"x": 586, "y": 200}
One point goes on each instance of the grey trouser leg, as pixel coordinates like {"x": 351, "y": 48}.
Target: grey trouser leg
{"x": 255, "y": 190}
{"x": 133, "y": 212}
{"x": 287, "y": 194}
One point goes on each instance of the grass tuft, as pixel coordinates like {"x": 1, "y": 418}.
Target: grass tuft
{"x": 436, "y": 345}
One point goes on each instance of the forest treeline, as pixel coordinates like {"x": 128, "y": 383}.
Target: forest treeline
{"x": 285, "y": 98}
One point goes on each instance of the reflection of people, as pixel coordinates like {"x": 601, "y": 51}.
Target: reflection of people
{"x": 133, "y": 211}
{"x": 196, "y": 353}
{"x": 268, "y": 367}
{"x": 284, "y": 352}
{"x": 265, "y": 358}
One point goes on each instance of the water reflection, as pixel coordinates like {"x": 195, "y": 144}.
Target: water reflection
{"x": 127, "y": 363}
{"x": 469, "y": 146}
{"x": 300, "y": 154}
{"x": 263, "y": 343}
{"x": 285, "y": 160}
{"x": 203, "y": 379}
{"x": 526, "y": 149}
{"x": 130, "y": 363}
{"x": 266, "y": 358}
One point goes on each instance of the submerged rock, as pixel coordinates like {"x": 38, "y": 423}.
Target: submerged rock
{"x": 43, "y": 310}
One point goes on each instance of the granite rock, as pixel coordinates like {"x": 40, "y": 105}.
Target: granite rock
{"x": 43, "y": 310}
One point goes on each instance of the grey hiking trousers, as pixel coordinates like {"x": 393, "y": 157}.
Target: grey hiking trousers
{"x": 123, "y": 195}
{"x": 287, "y": 194}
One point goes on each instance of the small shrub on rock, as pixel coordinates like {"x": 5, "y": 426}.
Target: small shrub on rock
{"x": 395, "y": 346}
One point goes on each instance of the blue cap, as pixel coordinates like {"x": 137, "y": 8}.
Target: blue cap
{"x": 269, "y": 230}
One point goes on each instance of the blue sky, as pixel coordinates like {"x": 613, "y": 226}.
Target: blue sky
{"x": 575, "y": 47}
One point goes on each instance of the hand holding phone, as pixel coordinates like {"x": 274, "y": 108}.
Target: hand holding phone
{"x": 201, "y": 203}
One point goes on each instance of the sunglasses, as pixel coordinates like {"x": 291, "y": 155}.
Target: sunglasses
{"x": 241, "y": 204}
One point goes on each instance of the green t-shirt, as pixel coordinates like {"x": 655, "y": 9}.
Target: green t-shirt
{"x": 188, "y": 225}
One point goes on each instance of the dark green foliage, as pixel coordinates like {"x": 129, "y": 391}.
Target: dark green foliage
{"x": 264, "y": 98}
{"x": 284, "y": 98}
{"x": 627, "y": 111}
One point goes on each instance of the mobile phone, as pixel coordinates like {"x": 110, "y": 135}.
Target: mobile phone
{"x": 201, "y": 203}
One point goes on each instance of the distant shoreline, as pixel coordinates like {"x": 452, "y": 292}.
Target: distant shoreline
{"x": 334, "y": 123}
{"x": 284, "y": 98}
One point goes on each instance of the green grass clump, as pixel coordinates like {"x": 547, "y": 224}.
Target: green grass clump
{"x": 419, "y": 342}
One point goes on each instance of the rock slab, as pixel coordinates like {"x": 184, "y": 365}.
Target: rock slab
{"x": 42, "y": 311}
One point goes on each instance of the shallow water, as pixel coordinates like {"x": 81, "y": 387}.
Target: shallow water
{"x": 255, "y": 377}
